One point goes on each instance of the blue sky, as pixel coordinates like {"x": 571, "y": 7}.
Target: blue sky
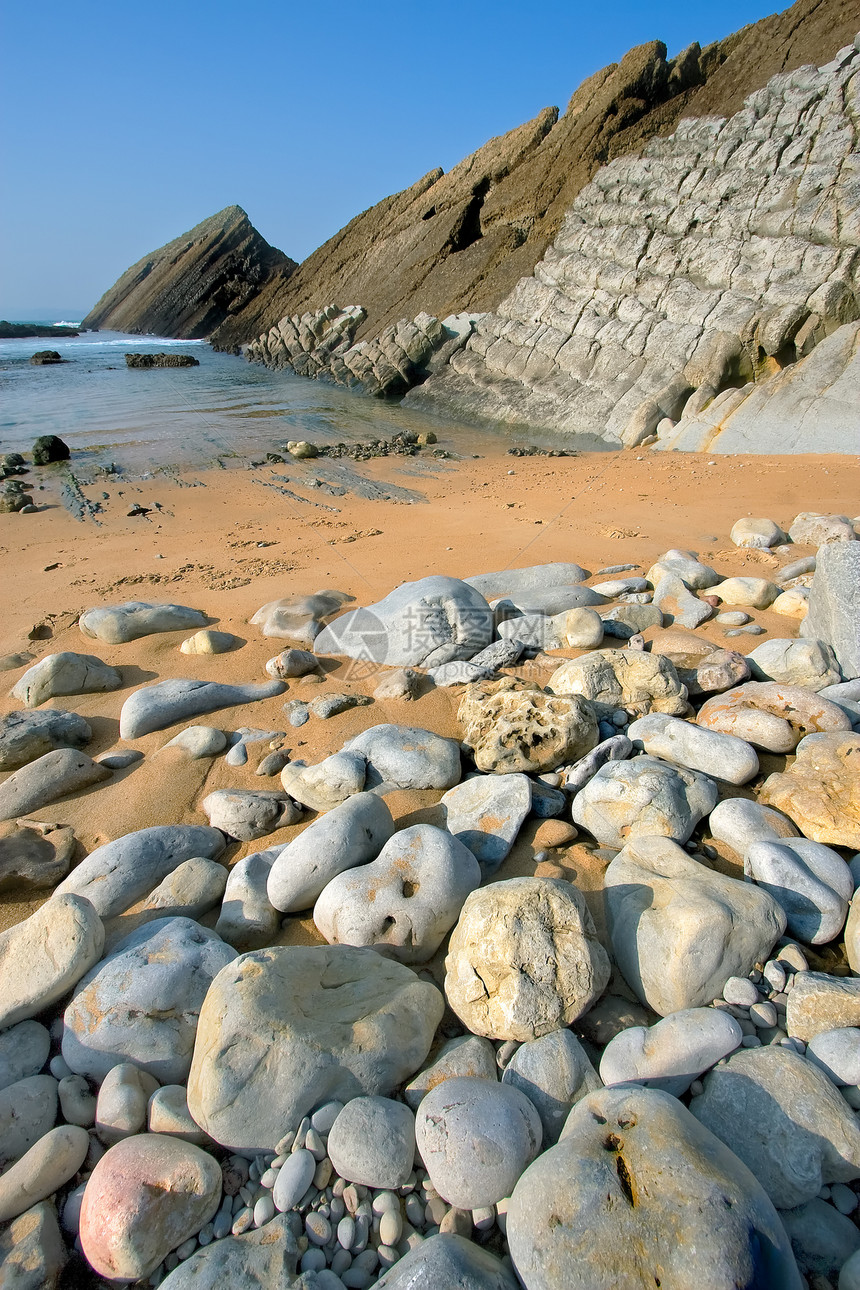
{"x": 125, "y": 125}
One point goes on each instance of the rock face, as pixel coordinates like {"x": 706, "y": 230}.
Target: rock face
{"x": 524, "y": 959}
{"x": 680, "y": 930}
{"x": 628, "y": 322}
{"x": 638, "y": 1193}
{"x": 462, "y": 240}
{"x": 284, "y": 1029}
{"x": 195, "y": 283}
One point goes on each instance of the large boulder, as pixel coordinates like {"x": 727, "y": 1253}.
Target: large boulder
{"x": 287, "y": 1028}
{"x": 670, "y": 1054}
{"x": 809, "y": 663}
{"x": 719, "y": 755}
{"x": 643, "y": 798}
{"x": 446, "y": 1260}
{"x": 638, "y": 1193}
{"x": 515, "y": 726}
{"x": 55, "y": 774}
{"x": 553, "y": 1072}
{"x": 406, "y": 900}
{"x": 141, "y": 1003}
{"x": 678, "y": 929}
{"x": 524, "y": 959}
{"x": 812, "y": 883}
{"x": 424, "y": 623}
{"x": 32, "y": 1251}
{"x": 784, "y": 1119}
{"x": 834, "y": 604}
{"x": 820, "y": 791}
{"x": 619, "y": 678}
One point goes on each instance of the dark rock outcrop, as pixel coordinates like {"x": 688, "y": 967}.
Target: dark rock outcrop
{"x": 196, "y": 283}
{"x": 48, "y": 448}
{"x": 23, "y": 331}
{"x": 161, "y": 360}
{"x": 46, "y": 358}
{"x": 461, "y": 241}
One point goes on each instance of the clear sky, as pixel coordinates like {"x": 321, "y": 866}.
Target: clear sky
{"x": 125, "y": 125}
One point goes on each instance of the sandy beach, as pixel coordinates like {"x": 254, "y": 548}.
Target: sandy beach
{"x": 220, "y": 542}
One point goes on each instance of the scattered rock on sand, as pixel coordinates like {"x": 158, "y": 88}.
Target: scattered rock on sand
{"x": 752, "y": 593}
{"x": 146, "y": 1196}
{"x": 291, "y": 663}
{"x": 678, "y": 929}
{"x": 524, "y": 959}
{"x": 401, "y": 683}
{"x": 372, "y": 1142}
{"x": 812, "y": 529}
{"x": 812, "y": 883}
{"x": 117, "y": 624}
{"x": 34, "y": 856}
{"x": 592, "y": 1213}
{"x": 209, "y": 642}
{"x": 784, "y": 1119}
{"x": 553, "y": 1072}
{"x": 191, "y": 890}
{"x": 299, "y": 619}
{"x": 284, "y": 1029}
{"x": 32, "y": 1252}
{"x": 643, "y": 798}
{"x": 475, "y": 1139}
{"x": 759, "y": 533}
{"x": 407, "y": 757}
{"x": 54, "y": 775}
{"x": 672, "y": 1053}
{"x": 834, "y": 604}
{"x": 406, "y": 900}
{"x": 628, "y": 679}
{"x": 425, "y": 623}
{"x": 45, "y": 955}
{"x": 117, "y": 874}
{"x": 771, "y": 715}
{"x": 141, "y": 1003}
{"x": 24, "y": 736}
{"x": 198, "y": 741}
{"x": 807, "y": 663}
{"x": 327, "y": 784}
{"x": 263, "y": 1258}
{"x": 515, "y": 726}
{"x": 351, "y": 834}
{"x": 65, "y": 673}
{"x": 485, "y": 814}
{"x": 155, "y": 706}
{"x": 719, "y": 755}
{"x": 46, "y": 1167}
{"x": 820, "y": 791}
{"x": 247, "y": 814}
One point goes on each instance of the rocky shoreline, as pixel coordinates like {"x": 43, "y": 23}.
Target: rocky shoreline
{"x": 321, "y": 1033}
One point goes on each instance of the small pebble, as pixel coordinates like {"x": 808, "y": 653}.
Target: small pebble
{"x": 775, "y": 975}
{"x": 318, "y": 1229}
{"x": 391, "y": 1227}
{"x": 269, "y": 1178}
{"x": 457, "y": 1222}
{"x": 59, "y": 1069}
{"x": 346, "y": 1233}
{"x": 763, "y": 1014}
{"x": 484, "y": 1218}
{"x": 264, "y": 1210}
{"x": 751, "y": 1041}
{"x": 435, "y": 1210}
{"x": 205, "y": 1235}
{"x": 243, "y": 1221}
{"x": 741, "y": 992}
{"x": 697, "y": 1088}
{"x": 186, "y": 1249}
{"x": 415, "y": 1210}
{"x": 506, "y": 1051}
{"x": 341, "y": 1260}
{"x": 385, "y": 1202}
{"x": 324, "y": 1116}
{"x": 313, "y": 1260}
{"x": 844, "y": 1199}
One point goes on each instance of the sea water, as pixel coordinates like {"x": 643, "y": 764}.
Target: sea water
{"x": 226, "y": 410}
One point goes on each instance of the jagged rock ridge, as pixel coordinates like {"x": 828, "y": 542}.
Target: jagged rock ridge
{"x": 194, "y": 284}
{"x": 460, "y": 241}
{"x": 720, "y": 255}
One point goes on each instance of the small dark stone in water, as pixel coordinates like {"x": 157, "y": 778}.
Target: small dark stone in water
{"x": 161, "y": 360}
{"x": 46, "y": 358}
{"x": 532, "y": 450}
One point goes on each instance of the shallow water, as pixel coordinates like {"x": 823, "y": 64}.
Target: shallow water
{"x": 193, "y": 417}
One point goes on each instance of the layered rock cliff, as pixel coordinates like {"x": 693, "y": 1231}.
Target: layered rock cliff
{"x": 196, "y": 283}
{"x": 460, "y": 241}
{"x": 685, "y": 279}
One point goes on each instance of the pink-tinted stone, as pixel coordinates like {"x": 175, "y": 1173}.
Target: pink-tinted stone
{"x": 146, "y": 1196}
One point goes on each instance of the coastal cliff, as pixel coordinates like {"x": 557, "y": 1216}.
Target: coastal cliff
{"x": 195, "y": 283}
